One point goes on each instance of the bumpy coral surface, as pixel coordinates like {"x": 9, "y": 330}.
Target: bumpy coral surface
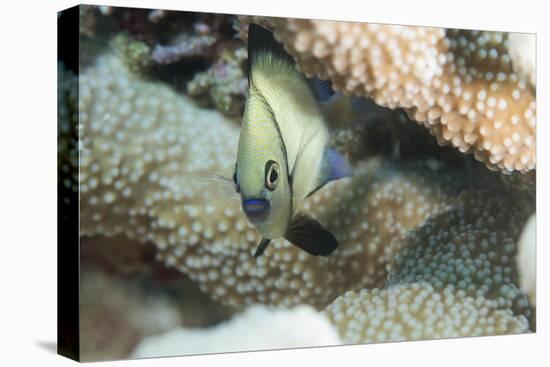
{"x": 140, "y": 138}
{"x": 458, "y": 84}
{"x": 405, "y": 230}
{"x": 454, "y": 276}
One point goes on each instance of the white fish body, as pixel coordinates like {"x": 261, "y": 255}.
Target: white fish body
{"x": 281, "y": 156}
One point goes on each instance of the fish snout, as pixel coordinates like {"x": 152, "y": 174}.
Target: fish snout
{"x": 256, "y": 210}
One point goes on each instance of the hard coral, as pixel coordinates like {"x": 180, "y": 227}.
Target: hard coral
{"x": 458, "y": 84}
{"x": 138, "y": 140}
{"x": 453, "y": 276}
{"x": 224, "y": 83}
{"x": 405, "y": 231}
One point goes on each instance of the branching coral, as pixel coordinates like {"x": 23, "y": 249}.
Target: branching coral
{"x": 454, "y": 276}
{"x": 458, "y": 84}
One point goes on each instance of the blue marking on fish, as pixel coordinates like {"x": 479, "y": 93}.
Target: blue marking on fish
{"x": 256, "y": 210}
{"x": 336, "y": 166}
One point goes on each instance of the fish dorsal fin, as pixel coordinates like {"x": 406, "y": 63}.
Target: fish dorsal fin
{"x": 309, "y": 235}
{"x": 262, "y": 46}
{"x": 334, "y": 167}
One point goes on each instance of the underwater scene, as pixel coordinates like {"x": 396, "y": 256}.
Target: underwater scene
{"x": 254, "y": 183}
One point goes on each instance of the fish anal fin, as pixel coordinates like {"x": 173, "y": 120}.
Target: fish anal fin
{"x": 309, "y": 235}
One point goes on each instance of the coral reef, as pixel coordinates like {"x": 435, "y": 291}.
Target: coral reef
{"x": 185, "y": 46}
{"x": 224, "y": 83}
{"x": 170, "y": 136}
{"x": 198, "y": 54}
{"x": 458, "y": 84}
{"x": 418, "y": 311}
{"x": 453, "y": 276}
{"x": 257, "y": 328}
{"x": 136, "y": 54}
{"x": 427, "y": 236}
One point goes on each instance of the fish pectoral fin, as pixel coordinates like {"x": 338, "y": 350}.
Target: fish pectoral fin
{"x": 322, "y": 89}
{"x": 261, "y": 247}
{"x": 334, "y": 167}
{"x": 309, "y": 235}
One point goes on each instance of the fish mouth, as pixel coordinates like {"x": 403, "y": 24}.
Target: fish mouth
{"x": 256, "y": 210}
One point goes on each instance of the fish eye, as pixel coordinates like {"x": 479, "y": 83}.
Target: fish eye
{"x": 271, "y": 174}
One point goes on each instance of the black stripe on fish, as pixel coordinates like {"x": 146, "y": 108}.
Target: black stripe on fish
{"x": 260, "y": 40}
{"x": 262, "y": 246}
{"x": 309, "y": 235}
